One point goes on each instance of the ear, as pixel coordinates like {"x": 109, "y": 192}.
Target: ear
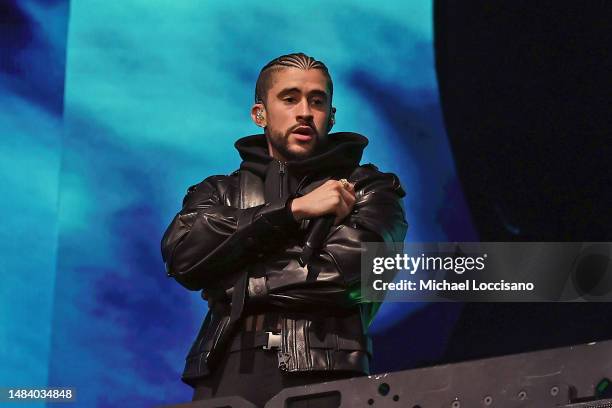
{"x": 332, "y": 119}
{"x": 258, "y": 114}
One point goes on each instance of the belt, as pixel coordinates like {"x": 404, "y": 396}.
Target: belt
{"x": 255, "y": 340}
{"x": 272, "y": 341}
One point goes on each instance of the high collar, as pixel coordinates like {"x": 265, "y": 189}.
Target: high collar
{"x": 344, "y": 150}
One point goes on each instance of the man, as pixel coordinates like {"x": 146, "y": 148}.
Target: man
{"x": 283, "y": 312}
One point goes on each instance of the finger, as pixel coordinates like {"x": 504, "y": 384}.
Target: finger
{"x": 351, "y": 203}
{"x": 332, "y": 183}
{"x": 347, "y": 196}
{"x": 342, "y": 183}
{"x": 341, "y": 212}
{"x": 353, "y": 193}
{"x": 351, "y": 188}
{"x": 336, "y": 185}
{"x": 346, "y": 185}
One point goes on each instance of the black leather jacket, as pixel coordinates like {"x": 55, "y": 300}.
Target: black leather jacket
{"x": 236, "y": 240}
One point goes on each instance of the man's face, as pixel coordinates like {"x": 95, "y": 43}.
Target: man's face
{"x": 297, "y": 113}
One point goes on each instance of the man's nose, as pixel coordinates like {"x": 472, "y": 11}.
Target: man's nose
{"x": 304, "y": 110}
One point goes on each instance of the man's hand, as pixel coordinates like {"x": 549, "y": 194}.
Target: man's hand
{"x": 330, "y": 198}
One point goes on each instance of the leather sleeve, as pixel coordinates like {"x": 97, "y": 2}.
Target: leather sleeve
{"x": 208, "y": 240}
{"x": 377, "y": 216}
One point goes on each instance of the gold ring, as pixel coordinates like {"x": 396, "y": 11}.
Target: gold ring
{"x": 345, "y": 183}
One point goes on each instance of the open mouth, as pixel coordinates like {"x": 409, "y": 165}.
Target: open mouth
{"x": 303, "y": 130}
{"x": 303, "y": 133}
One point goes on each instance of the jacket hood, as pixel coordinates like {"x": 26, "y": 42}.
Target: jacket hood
{"x": 344, "y": 150}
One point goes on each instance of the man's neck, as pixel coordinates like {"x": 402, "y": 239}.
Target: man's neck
{"x": 276, "y": 155}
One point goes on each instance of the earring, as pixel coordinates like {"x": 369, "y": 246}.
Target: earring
{"x": 332, "y": 119}
{"x": 259, "y": 115}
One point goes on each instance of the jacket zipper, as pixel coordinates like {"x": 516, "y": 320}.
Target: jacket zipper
{"x": 281, "y": 178}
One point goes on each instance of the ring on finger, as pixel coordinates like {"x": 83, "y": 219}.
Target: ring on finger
{"x": 345, "y": 183}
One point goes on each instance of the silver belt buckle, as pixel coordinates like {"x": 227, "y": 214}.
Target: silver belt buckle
{"x": 274, "y": 341}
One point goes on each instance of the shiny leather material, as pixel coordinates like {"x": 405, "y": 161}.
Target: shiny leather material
{"x": 240, "y": 227}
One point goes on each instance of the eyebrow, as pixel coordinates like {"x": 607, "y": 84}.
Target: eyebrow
{"x": 286, "y": 91}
